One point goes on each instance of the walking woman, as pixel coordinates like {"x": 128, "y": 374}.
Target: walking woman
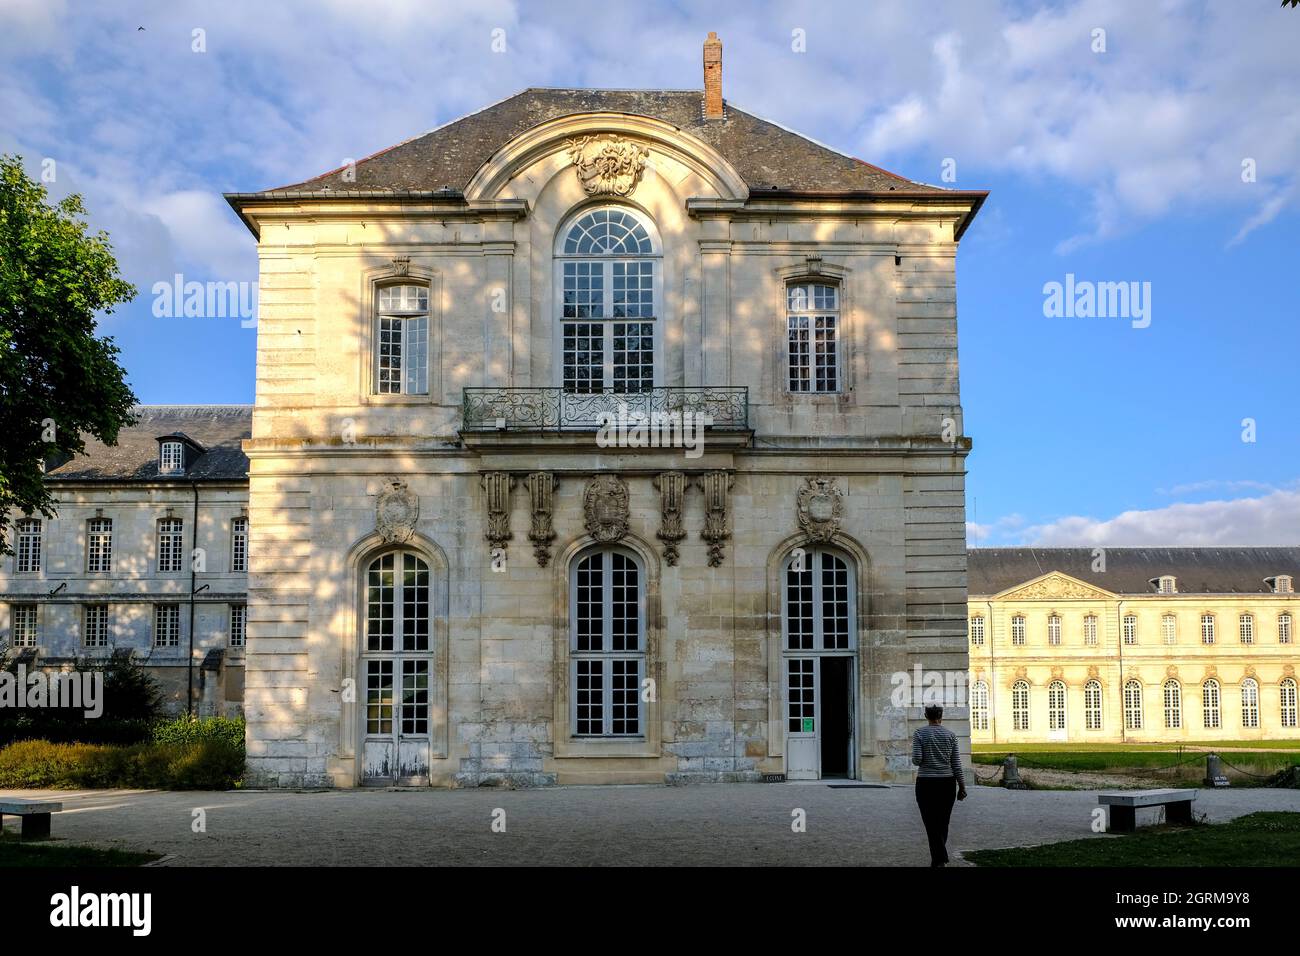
{"x": 938, "y": 781}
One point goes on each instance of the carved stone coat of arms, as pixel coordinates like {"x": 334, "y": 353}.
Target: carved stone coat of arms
{"x": 396, "y": 512}
{"x": 821, "y": 507}
{"x": 605, "y": 508}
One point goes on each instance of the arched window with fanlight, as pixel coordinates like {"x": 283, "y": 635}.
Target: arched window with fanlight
{"x": 1092, "y": 705}
{"x": 979, "y": 706}
{"x": 608, "y": 276}
{"x": 1250, "y": 704}
{"x": 1210, "y": 715}
{"x": 1056, "y": 706}
{"x": 1287, "y": 699}
{"x": 1020, "y": 705}
{"x": 1173, "y": 705}
{"x": 1132, "y": 705}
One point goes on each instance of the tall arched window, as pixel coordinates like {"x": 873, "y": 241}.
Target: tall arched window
{"x": 1092, "y": 705}
{"x": 607, "y": 649}
{"x": 1210, "y": 717}
{"x": 1056, "y": 705}
{"x": 396, "y": 668}
{"x": 1173, "y": 705}
{"x": 1249, "y": 703}
{"x": 1020, "y": 705}
{"x": 608, "y": 287}
{"x": 979, "y": 706}
{"x": 1287, "y": 698}
{"x": 1132, "y": 705}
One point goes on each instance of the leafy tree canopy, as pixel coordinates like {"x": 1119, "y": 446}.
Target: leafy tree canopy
{"x": 58, "y": 381}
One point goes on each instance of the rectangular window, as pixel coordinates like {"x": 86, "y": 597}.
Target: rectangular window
{"x": 238, "y": 624}
{"x": 415, "y": 697}
{"x": 1054, "y": 633}
{"x": 1284, "y": 629}
{"x": 166, "y": 625}
{"x": 608, "y": 354}
{"x": 1169, "y": 629}
{"x": 1246, "y": 627}
{"x": 977, "y": 631}
{"x": 1207, "y": 628}
{"x": 170, "y": 545}
{"x": 28, "y": 545}
{"x": 1090, "y": 630}
{"x": 171, "y": 458}
{"x": 1130, "y": 629}
{"x": 23, "y": 625}
{"x": 1018, "y": 631}
{"x": 402, "y": 340}
{"x": 607, "y": 646}
{"x": 99, "y": 545}
{"x": 95, "y": 625}
{"x": 239, "y": 544}
{"x": 802, "y": 687}
{"x": 812, "y": 327}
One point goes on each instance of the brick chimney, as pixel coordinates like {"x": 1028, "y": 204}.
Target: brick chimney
{"x": 713, "y": 77}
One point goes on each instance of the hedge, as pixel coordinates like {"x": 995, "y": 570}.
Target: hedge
{"x": 203, "y": 764}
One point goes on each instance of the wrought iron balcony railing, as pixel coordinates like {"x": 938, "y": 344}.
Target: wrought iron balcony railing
{"x": 554, "y": 409}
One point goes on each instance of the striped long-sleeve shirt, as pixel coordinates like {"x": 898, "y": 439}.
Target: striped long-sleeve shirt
{"x": 935, "y": 752}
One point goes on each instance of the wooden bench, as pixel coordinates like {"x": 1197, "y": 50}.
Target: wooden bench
{"x": 1123, "y": 806}
{"x": 35, "y": 814}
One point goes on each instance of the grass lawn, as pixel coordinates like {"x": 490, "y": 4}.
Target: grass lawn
{"x": 1262, "y": 762}
{"x": 57, "y": 853}
{"x": 1276, "y": 745}
{"x": 1258, "y": 839}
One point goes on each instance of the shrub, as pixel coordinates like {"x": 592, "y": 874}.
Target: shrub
{"x": 197, "y": 729}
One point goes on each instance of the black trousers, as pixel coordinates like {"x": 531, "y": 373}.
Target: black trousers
{"x": 935, "y": 796}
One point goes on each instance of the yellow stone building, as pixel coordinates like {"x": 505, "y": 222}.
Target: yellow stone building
{"x": 1133, "y": 644}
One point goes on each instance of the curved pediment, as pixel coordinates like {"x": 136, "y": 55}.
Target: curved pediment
{"x": 1055, "y": 586}
{"x": 609, "y": 153}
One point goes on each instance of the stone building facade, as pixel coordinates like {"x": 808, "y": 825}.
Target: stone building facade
{"x": 463, "y": 573}
{"x": 148, "y": 547}
{"x": 1165, "y": 645}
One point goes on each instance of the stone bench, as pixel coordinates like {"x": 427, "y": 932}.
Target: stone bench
{"x": 1123, "y": 806}
{"x": 35, "y": 814}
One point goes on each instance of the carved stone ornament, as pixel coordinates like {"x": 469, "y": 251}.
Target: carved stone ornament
{"x": 605, "y": 508}
{"x": 715, "y": 485}
{"x": 607, "y": 165}
{"x": 1210, "y": 671}
{"x": 1288, "y": 670}
{"x": 497, "y": 486}
{"x": 401, "y": 265}
{"x": 1022, "y": 673}
{"x": 1171, "y": 670}
{"x": 1058, "y": 673}
{"x": 671, "y": 486}
{"x": 541, "y": 497}
{"x": 396, "y": 511}
{"x": 1094, "y": 671}
{"x": 821, "y": 505}
{"x": 1056, "y": 587}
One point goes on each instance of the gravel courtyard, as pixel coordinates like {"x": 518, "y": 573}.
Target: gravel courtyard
{"x": 742, "y": 824}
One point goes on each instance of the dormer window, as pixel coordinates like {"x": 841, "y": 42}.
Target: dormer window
{"x": 1282, "y": 584}
{"x": 171, "y": 458}
{"x": 1167, "y": 584}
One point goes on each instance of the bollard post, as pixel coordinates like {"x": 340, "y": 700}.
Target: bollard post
{"x": 1011, "y": 774}
{"x": 1214, "y": 775}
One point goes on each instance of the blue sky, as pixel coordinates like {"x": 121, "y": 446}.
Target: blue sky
{"x": 1122, "y": 164}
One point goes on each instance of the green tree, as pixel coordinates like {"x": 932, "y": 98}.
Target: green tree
{"x": 58, "y": 381}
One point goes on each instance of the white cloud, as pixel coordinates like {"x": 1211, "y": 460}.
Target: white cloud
{"x": 1267, "y": 520}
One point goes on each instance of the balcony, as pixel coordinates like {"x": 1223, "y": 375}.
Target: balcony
{"x": 555, "y": 410}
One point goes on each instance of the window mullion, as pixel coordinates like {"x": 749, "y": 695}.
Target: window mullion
{"x": 819, "y": 630}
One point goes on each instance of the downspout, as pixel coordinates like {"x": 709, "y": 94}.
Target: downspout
{"x": 194, "y": 540}
{"x": 1123, "y": 706}
{"x": 993, "y": 675}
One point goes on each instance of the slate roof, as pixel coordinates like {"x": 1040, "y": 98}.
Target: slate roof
{"x": 767, "y": 156}
{"x": 1130, "y": 570}
{"x": 220, "y": 429}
